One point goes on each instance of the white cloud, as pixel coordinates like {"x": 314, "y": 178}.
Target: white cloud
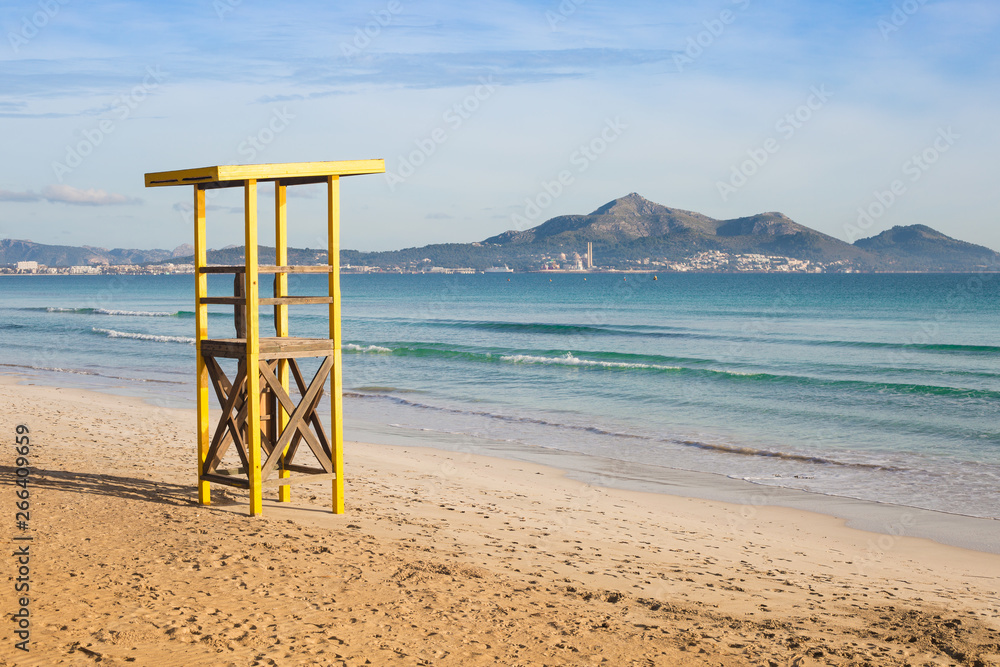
{"x": 67, "y": 194}
{"x": 8, "y": 195}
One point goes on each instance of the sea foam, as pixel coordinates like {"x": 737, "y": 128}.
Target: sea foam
{"x": 111, "y": 333}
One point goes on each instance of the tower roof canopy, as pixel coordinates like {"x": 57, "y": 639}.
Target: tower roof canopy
{"x": 289, "y": 173}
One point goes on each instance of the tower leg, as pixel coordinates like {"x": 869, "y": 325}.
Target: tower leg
{"x": 253, "y": 349}
{"x": 281, "y": 316}
{"x": 336, "y": 381}
{"x": 201, "y": 333}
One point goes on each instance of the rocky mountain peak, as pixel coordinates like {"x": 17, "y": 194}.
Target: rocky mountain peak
{"x": 631, "y": 205}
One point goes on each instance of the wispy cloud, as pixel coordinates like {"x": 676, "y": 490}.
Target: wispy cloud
{"x": 66, "y": 194}
{"x": 297, "y": 97}
{"x": 7, "y": 195}
{"x": 434, "y": 70}
{"x": 315, "y": 78}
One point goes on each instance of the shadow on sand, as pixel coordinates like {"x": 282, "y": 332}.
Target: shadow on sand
{"x": 128, "y": 488}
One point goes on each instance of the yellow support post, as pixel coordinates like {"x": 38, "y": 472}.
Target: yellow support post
{"x": 336, "y": 377}
{"x": 201, "y": 333}
{"x": 253, "y": 348}
{"x": 281, "y": 315}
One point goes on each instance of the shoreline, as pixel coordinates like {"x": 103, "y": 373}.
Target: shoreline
{"x": 665, "y": 272}
{"x": 958, "y": 530}
{"x": 885, "y": 519}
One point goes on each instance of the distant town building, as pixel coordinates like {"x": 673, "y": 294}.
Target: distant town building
{"x": 448, "y": 270}
{"x": 27, "y": 267}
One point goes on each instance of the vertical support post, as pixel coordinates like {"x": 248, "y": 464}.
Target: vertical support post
{"x": 336, "y": 376}
{"x": 201, "y": 333}
{"x": 253, "y": 347}
{"x": 281, "y": 317}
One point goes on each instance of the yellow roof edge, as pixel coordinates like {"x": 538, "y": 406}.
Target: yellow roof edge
{"x": 263, "y": 172}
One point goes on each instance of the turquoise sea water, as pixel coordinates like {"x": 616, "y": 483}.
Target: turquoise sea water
{"x": 877, "y": 387}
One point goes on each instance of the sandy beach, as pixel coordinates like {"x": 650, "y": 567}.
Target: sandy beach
{"x": 446, "y": 559}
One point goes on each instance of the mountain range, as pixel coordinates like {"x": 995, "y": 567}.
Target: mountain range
{"x": 13, "y": 251}
{"x": 633, "y": 226}
{"x": 624, "y": 231}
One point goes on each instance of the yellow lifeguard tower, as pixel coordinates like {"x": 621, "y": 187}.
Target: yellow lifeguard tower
{"x": 257, "y": 408}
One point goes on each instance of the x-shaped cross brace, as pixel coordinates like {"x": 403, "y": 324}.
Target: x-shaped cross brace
{"x": 303, "y": 422}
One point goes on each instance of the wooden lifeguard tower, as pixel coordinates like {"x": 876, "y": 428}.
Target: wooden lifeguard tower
{"x": 257, "y": 408}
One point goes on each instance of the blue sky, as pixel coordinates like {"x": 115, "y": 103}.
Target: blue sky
{"x": 849, "y": 117}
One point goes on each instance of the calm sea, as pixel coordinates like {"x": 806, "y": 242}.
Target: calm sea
{"x": 876, "y": 387}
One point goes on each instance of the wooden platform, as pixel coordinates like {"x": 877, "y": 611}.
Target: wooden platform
{"x": 270, "y": 348}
